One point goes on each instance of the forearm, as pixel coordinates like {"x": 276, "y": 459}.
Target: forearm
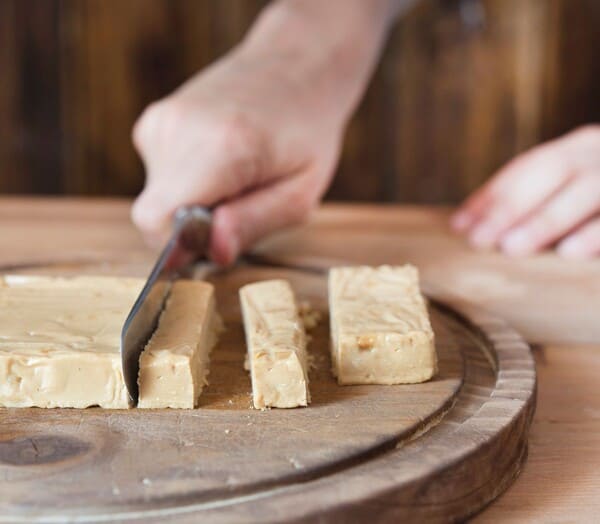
{"x": 261, "y": 128}
{"x": 334, "y": 43}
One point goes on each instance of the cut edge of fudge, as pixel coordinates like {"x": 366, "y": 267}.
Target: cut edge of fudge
{"x": 176, "y": 361}
{"x": 276, "y": 345}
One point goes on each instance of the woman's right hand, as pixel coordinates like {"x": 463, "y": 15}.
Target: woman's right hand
{"x": 245, "y": 139}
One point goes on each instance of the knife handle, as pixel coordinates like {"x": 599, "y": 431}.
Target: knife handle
{"x": 192, "y": 226}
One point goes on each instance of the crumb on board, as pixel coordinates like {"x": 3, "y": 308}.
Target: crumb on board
{"x": 294, "y": 462}
{"x": 311, "y": 361}
{"x": 309, "y": 316}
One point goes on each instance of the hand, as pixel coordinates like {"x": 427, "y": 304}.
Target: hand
{"x": 546, "y": 196}
{"x": 239, "y": 137}
{"x": 257, "y": 135}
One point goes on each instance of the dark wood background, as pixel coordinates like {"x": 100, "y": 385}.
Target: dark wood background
{"x": 462, "y": 87}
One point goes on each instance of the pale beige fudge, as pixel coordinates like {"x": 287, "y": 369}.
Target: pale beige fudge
{"x": 276, "y": 343}
{"x": 60, "y": 339}
{"x": 380, "y": 329}
{"x": 175, "y": 363}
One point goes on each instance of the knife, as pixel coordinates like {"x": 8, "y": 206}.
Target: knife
{"x": 188, "y": 242}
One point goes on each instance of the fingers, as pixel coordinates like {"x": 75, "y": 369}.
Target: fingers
{"x": 577, "y": 202}
{"x": 207, "y": 160}
{"x": 149, "y": 214}
{"x": 472, "y": 210}
{"x": 538, "y": 197}
{"x": 241, "y": 222}
{"x": 582, "y": 243}
{"x": 514, "y": 193}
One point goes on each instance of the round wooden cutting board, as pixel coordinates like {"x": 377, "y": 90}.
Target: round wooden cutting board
{"x": 437, "y": 451}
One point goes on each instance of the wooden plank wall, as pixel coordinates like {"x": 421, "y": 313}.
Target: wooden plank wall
{"x": 462, "y": 87}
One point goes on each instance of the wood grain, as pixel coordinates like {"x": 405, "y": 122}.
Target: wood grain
{"x": 462, "y": 87}
{"x": 30, "y": 108}
{"x": 437, "y": 451}
{"x": 546, "y": 298}
{"x": 561, "y": 479}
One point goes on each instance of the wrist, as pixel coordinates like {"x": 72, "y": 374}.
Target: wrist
{"x": 331, "y": 47}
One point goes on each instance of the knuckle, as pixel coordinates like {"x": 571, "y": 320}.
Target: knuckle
{"x": 146, "y": 122}
{"x": 171, "y": 115}
{"x": 159, "y": 119}
{"x": 237, "y": 139}
{"x": 548, "y": 223}
{"x": 146, "y": 125}
{"x": 236, "y": 135}
{"x": 138, "y": 131}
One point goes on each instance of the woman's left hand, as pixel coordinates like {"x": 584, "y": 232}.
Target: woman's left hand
{"x": 547, "y": 196}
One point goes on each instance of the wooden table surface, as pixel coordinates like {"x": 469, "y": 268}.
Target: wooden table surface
{"x": 555, "y": 304}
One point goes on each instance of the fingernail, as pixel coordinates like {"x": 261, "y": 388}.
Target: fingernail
{"x": 571, "y": 248}
{"x": 460, "y": 221}
{"x": 483, "y": 236}
{"x": 517, "y": 242}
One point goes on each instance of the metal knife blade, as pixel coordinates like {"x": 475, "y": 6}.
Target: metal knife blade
{"x": 188, "y": 242}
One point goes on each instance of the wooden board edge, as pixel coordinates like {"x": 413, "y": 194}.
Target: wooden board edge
{"x": 494, "y": 441}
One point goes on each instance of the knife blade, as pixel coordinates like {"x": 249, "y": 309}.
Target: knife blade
{"x": 188, "y": 242}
